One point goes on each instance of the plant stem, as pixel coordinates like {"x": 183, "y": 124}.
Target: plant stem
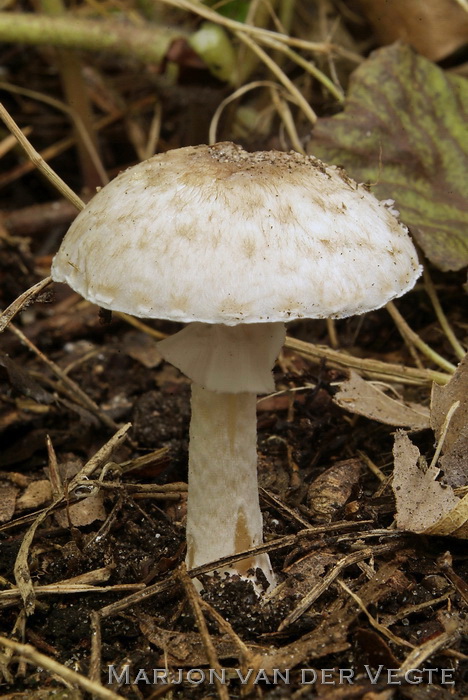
{"x": 281, "y": 76}
{"x": 258, "y": 15}
{"x": 442, "y": 318}
{"x": 145, "y": 44}
{"x": 423, "y": 347}
{"x": 69, "y": 65}
{"x": 375, "y": 369}
{"x": 39, "y": 162}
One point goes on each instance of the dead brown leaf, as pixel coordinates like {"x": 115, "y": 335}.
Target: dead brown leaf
{"x": 329, "y": 492}
{"x": 307, "y": 572}
{"x": 435, "y": 28}
{"x": 23, "y": 382}
{"x": 83, "y": 513}
{"x": 364, "y": 398}
{"x": 454, "y": 461}
{"x": 8, "y": 494}
{"x": 87, "y": 510}
{"x": 424, "y": 505}
{"x": 139, "y": 346}
{"x": 37, "y": 494}
{"x": 331, "y": 635}
{"x": 186, "y": 648}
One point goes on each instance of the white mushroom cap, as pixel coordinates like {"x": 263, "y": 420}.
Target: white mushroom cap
{"x": 220, "y": 235}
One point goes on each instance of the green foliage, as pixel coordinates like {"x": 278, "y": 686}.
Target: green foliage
{"x": 403, "y": 130}
{"x": 234, "y": 9}
{"x": 214, "y": 46}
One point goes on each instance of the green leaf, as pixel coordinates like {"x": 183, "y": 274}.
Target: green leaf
{"x": 234, "y": 9}
{"x": 213, "y": 45}
{"x": 404, "y": 130}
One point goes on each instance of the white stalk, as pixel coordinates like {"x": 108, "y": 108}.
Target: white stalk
{"x": 223, "y": 514}
{"x": 228, "y": 365}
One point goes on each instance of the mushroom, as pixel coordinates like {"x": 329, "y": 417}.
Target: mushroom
{"x": 234, "y": 244}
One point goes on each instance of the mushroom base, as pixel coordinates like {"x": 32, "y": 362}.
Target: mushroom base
{"x": 223, "y": 510}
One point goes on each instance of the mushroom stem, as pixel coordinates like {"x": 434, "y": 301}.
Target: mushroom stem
{"x": 229, "y": 366}
{"x": 223, "y": 514}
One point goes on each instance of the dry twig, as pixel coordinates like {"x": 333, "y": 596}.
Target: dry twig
{"x": 63, "y": 672}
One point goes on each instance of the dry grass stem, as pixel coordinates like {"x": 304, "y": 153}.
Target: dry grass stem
{"x": 287, "y": 119}
{"x": 163, "y": 489}
{"x": 332, "y": 334}
{"x": 21, "y": 568}
{"x": 82, "y": 131}
{"x": 67, "y": 675}
{"x": 140, "y": 325}
{"x": 372, "y": 466}
{"x": 374, "y": 369}
{"x": 138, "y": 597}
{"x": 13, "y": 596}
{"x": 143, "y": 460}
{"x": 389, "y": 620}
{"x": 194, "y": 601}
{"x": 443, "y": 433}
{"x": 309, "y": 68}
{"x": 212, "y": 133}
{"x": 441, "y": 317}
{"x": 285, "y": 510}
{"x": 101, "y": 457}
{"x": 323, "y": 585}
{"x": 262, "y": 34}
{"x": 408, "y": 333}
{"x": 296, "y": 95}
{"x": 54, "y": 473}
{"x": 227, "y": 628}
{"x": 23, "y": 300}
{"x": 95, "y": 659}
{"x": 380, "y": 628}
{"x": 39, "y": 162}
{"x": 76, "y": 392}
{"x": 9, "y": 142}
{"x": 154, "y": 131}
{"x": 421, "y": 653}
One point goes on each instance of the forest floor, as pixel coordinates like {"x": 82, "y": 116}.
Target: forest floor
{"x": 94, "y": 424}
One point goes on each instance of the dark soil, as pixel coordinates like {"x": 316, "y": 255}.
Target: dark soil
{"x": 410, "y": 591}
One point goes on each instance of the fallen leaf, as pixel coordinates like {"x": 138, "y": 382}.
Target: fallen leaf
{"x": 85, "y": 512}
{"x": 424, "y": 505}
{"x": 435, "y": 28}
{"x": 37, "y": 494}
{"x": 403, "y": 129}
{"x": 364, "y": 398}
{"x": 330, "y": 491}
{"x": 186, "y": 648}
{"x": 139, "y": 346}
{"x": 8, "y": 494}
{"x": 88, "y": 509}
{"x": 23, "y": 381}
{"x": 453, "y": 523}
{"x": 374, "y": 648}
{"x": 454, "y": 461}
{"x": 307, "y": 572}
